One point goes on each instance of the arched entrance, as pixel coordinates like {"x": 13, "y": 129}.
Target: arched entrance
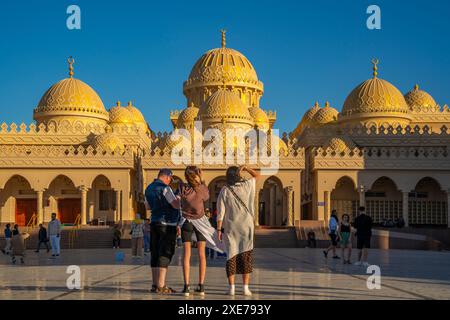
{"x": 428, "y": 204}
{"x": 214, "y": 189}
{"x": 345, "y": 198}
{"x": 102, "y": 202}
{"x": 271, "y": 203}
{"x": 18, "y": 201}
{"x": 64, "y": 199}
{"x": 384, "y": 201}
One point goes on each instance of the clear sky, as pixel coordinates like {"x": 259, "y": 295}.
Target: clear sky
{"x": 142, "y": 51}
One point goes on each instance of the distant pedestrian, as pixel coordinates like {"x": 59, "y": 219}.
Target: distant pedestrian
{"x": 137, "y": 236}
{"x": 116, "y": 237}
{"x": 18, "y": 245}
{"x": 345, "y": 232}
{"x": 42, "y": 238}
{"x": 312, "y": 243}
{"x": 8, "y": 237}
{"x": 333, "y": 233}
{"x": 363, "y": 226}
{"x": 147, "y": 236}
{"x": 54, "y": 233}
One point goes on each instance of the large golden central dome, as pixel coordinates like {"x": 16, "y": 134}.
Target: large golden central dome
{"x": 71, "y": 100}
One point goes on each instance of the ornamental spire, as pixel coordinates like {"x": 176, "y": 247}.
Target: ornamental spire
{"x": 375, "y": 62}
{"x": 71, "y": 62}
{"x": 224, "y": 38}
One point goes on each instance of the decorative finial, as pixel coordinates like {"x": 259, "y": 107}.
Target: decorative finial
{"x": 118, "y": 104}
{"x": 130, "y": 104}
{"x": 316, "y": 105}
{"x": 327, "y": 104}
{"x": 71, "y": 62}
{"x": 375, "y": 62}
{"x": 416, "y": 87}
{"x": 224, "y": 38}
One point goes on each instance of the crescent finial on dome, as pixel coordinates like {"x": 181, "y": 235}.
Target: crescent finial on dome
{"x": 375, "y": 62}
{"x": 224, "y": 38}
{"x": 118, "y": 103}
{"x": 71, "y": 62}
{"x": 416, "y": 87}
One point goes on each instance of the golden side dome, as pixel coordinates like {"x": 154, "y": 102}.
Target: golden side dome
{"x": 135, "y": 113}
{"x": 259, "y": 117}
{"x": 187, "y": 116}
{"x": 339, "y": 144}
{"x": 70, "y": 99}
{"x": 307, "y": 119}
{"x": 224, "y": 105}
{"x": 417, "y": 98}
{"x": 120, "y": 115}
{"x": 108, "y": 141}
{"x": 325, "y": 115}
{"x": 375, "y": 98}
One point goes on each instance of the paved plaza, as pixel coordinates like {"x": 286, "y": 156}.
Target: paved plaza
{"x": 278, "y": 274}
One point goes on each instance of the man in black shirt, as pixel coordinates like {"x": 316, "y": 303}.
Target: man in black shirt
{"x": 363, "y": 226}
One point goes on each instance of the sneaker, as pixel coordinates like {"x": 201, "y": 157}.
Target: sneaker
{"x": 200, "y": 289}
{"x": 186, "y": 290}
{"x": 247, "y": 292}
{"x": 336, "y": 257}
{"x": 153, "y": 289}
{"x": 358, "y": 263}
{"x": 325, "y": 254}
{"x": 22, "y": 261}
{"x": 231, "y": 292}
{"x": 37, "y": 251}
{"x": 53, "y": 255}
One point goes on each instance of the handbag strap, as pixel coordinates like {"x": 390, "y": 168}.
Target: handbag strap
{"x": 238, "y": 199}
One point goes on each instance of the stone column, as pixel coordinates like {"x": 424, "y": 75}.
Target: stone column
{"x": 84, "y": 191}
{"x": 327, "y": 196}
{"x": 40, "y": 206}
{"x": 273, "y": 206}
{"x": 448, "y": 208}
{"x": 118, "y": 211}
{"x": 290, "y": 211}
{"x": 405, "y": 209}
{"x": 257, "y": 207}
{"x": 362, "y": 196}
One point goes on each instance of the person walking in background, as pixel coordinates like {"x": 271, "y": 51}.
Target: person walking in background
{"x": 116, "y": 237}
{"x": 235, "y": 224}
{"x": 137, "y": 236}
{"x": 147, "y": 236}
{"x": 333, "y": 233}
{"x": 18, "y": 245}
{"x": 363, "y": 226}
{"x": 42, "y": 238}
{"x": 345, "y": 232}
{"x": 165, "y": 219}
{"x": 54, "y": 233}
{"x": 8, "y": 237}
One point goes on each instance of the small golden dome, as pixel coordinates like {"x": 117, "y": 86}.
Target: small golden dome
{"x": 108, "y": 141}
{"x": 419, "y": 98}
{"x": 225, "y": 105}
{"x": 120, "y": 115}
{"x": 187, "y": 116}
{"x": 136, "y": 114}
{"x": 259, "y": 117}
{"x": 309, "y": 115}
{"x": 339, "y": 144}
{"x": 325, "y": 115}
{"x": 374, "y": 97}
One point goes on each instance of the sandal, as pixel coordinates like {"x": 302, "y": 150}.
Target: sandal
{"x": 165, "y": 290}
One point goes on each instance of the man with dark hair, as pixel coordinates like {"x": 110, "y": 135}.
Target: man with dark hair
{"x": 42, "y": 238}
{"x": 363, "y": 226}
{"x": 165, "y": 219}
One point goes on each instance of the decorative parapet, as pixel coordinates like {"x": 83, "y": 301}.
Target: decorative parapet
{"x": 22, "y": 156}
{"x": 403, "y": 158}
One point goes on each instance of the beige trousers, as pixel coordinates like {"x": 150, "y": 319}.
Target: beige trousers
{"x": 136, "y": 246}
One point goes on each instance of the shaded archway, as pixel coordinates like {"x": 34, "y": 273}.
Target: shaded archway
{"x": 214, "y": 189}
{"x": 18, "y": 202}
{"x": 427, "y": 204}
{"x": 64, "y": 199}
{"x": 384, "y": 200}
{"x": 102, "y": 202}
{"x": 271, "y": 203}
{"x": 345, "y": 198}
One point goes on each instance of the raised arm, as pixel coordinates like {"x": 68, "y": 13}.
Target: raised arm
{"x": 255, "y": 174}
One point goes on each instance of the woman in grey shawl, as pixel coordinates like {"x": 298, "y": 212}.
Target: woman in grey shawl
{"x": 235, "y": 206}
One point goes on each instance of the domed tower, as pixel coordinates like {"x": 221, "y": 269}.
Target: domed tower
{"x": 375, "y": 101}
{"x": 71, "y": 101}
{"x": 223, "y": 67}
{"x": 420, "y": 101}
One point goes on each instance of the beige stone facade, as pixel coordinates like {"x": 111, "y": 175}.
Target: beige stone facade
{"x": 385, "y": 150}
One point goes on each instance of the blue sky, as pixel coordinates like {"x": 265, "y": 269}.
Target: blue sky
{"x": 144, "y": 50}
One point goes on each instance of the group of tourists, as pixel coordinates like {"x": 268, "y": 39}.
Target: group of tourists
{"x": 15, "y": 240}
{"x": 341, "y": 234}
{"x": 182, "y": 213}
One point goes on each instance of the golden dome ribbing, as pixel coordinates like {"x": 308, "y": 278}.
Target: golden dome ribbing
{"x": 120, "y": 115}
{"x": 259, "y": 117}
{"x": 419, "y": 98}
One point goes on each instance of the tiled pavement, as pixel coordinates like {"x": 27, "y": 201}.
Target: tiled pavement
{"x": 278, "y": 274}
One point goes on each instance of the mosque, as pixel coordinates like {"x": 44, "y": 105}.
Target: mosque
{"x": 386, "y": 150}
